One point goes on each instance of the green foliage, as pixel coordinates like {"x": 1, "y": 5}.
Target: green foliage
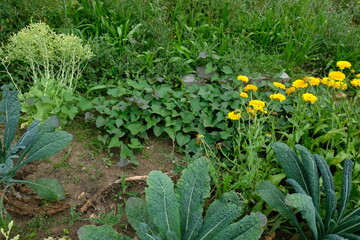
{"x": 7, "y": 234}
{"x": 179, "y": 215}
{"x": 37, "y": 143}
{"x": 315, "y": 199}
{"x": 92, "y": 232}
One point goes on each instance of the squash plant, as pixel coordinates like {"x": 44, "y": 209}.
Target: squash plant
{"x": 315, "y": 196}
{"x": 40, "y": 141}
{"x": 172, "y": 214}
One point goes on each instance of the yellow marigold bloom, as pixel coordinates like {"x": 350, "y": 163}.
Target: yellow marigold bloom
{"x": 355, "y": 82}
{"x": 290, "y": 90}
{"x": 278, "y": 96}
{"x": 325, "y": 80}
{"x": 251, "y": 111}
{"x": 279, "y": 85}
{"x": 340, "y": 85}
{"x": 314, "y": 81}
{"x": 343, "y": 64}
{"x": 250, "y": 87}
{"x": 352, "y": 70}
{"x": 243, "y": 78}
{"x": 309, "y": 97}
{"x": 257, "y": 103}
{"x": 243, "y": 95}
{"x": 331, "y": 83}
{"x": 336, "y": 75}
{"x": 300, "y": 84}
{"x": 357, "y": 75}
{"x": 234, "y": 116}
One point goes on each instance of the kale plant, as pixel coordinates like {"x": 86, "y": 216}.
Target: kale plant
{"x": 315, "y": 196}
{"x": 40, "y": 141}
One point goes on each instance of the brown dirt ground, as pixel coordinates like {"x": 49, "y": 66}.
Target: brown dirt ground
{"x": 82, "y": 171}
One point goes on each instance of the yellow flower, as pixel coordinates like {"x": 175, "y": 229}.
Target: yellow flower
{"x": 336, "y": 75}
{"x": 243, "y": 78}
{"x": 234, "y": 116}
{"x": 357, "y": 75}
{"x": 355, "y": 82}
{"x": 331, "y": 83}
{"x": 198, "y": 138}
{"x": 279, "y": 85}
{"x": 300, "y": 84}
{"x": 309, "y": 97}
{"x": 243, "y": 95}
{"x": 250, "y": 87}
{"x": 290, "y": 90}
{"x": 278, "y": 96}
{"x": 352, "y": 70}
{"x": 314, "y": 81}
{"x": 340, "y": 85}
{"x": 251, "y": 110}
{"x": 343, "y": 64}
{"x": 325, "y": 80}
{"x": 257, "y": 105}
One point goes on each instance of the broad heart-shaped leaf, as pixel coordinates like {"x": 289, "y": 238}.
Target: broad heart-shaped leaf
{"x": 162, "y": 203}
{"x": 329, "y": 188}
{"x": 49, "y": 188}
{"x": 9, "y": 113}
{"x": 276, "y": 199}
{"x": 192, "y": 188}
{"x": 312, "y": 176}
{"x": 48, "y": 145}
{"x": 92, "y": 232}
{"x": 182, "y": 139}
{"x": 290, "y": 163}
{"x": 305, "y": 205}
{"x": 249, "y": 227}
{"x": 220, "y": 214}
{"x": 346, "y": 187}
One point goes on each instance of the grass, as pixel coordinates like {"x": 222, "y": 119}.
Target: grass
{"x": 164, "y": 38}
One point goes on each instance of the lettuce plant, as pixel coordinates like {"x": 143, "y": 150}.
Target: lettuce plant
{"x": 315, "y": 196}
{"x": 38, "y": 142}
{"x": 177, "y": 212}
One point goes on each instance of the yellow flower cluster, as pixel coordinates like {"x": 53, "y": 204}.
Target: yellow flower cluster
{"x": 308, "y": 97}
{"x": 257, "y": 105}
{"x": 337, "y": 76}
{"x": 198, "y": 138}
{"x": 314, "y": 81}
{"x": 233, "y": 115}
{"x": 290, "y": 90}
{"x": 250, "y": 87}
{"x": 278, "y": 96}
{"x": 243, "y": 78}
{"x": 300, "y": 84}
{"x": 243, "y": 95}
{"x": 343, "y": 64}
{"x": 355, "y": 82}
{"x": 279, "y": 85}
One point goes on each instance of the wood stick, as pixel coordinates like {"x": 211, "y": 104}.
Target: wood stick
{"x": 95, "y": 198}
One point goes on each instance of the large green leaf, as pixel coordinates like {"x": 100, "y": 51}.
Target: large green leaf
{"x": 329, "y": 189}
{"x": 290, "y": 163}
{"x": 48, "y": 145}
{"x": 49, "y": 188}
{"x": 192, "y": 188}
{"x": 351, "y": 225}
{"x": 312, "y": 176}
{"x": 162, "y": 203}
{"x": 220, "y": 214}
{"x": 346, "y": 187}
{"x": 305, "y": 205}
{"x": 249, "y": 227}
{"x": 9, "y": 113}
{"x": 27, "y": 138}
{"x": 92, "y": 232}
{"x": 276, "y": 199}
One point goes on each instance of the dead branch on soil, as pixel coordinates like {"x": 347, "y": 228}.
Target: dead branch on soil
{"x": 103, "y": 191}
